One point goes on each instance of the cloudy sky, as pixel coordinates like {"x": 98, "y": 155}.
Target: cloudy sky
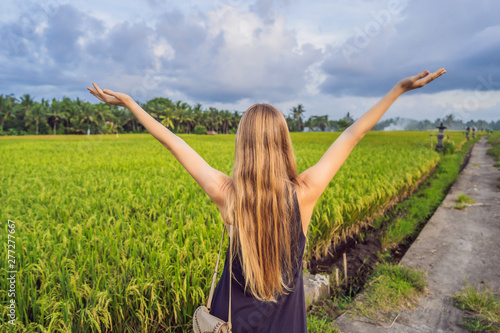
{"x": 333, "y": 57}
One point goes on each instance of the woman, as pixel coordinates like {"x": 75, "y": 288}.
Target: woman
{"x": 269, "y": 205}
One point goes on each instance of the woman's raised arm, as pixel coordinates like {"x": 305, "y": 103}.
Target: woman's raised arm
{"x": 319, "y": 176}
{"x": 208, "y": 178}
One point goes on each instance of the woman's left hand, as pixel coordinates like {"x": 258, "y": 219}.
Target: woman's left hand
{"x": 419, "y": 80}
{"x": 110, "y": 97}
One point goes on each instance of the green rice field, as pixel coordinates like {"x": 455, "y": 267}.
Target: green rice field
{"x": 113, "y": 234}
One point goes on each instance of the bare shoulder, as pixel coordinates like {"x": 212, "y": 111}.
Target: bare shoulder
{"x": 306, "y": 205}
{"x": 222, "y": 204}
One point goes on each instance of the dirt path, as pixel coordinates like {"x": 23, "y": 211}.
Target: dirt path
{"x": 454, "y": 245}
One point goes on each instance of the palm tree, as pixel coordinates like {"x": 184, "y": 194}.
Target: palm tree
{"x": 182, "y": 114}
{"x": 129, "y": 119}
{"x": 313, "y": 121}
{"x": 297, "y": 112}
{"x": 291, "y": 124}
{"x": 236, "y": 118}
{"x": 226, "y": 120}
{"x": 57, "y": 113}
{"x": 197, "y": 114}
{"x": 102, "y": 114}
{"x": 25, "y": 106}
{"x": 89, "y": 115}
{"x": 167, "y": 118}
{"x": 345, "y": 122}
{"x": 154, "y": 108}
{"x": 118, "y": 116}
{"x": 7, "y": 108}
{"x": 204, "y": 119}
{"x": 70, "y": 110}
{"x": 322, "y": 122}
{"x": 37, "y": 114}
{"x": 215, "y": 119}
{"x": 197, "y": 108}
{"x": 26, "y": 102}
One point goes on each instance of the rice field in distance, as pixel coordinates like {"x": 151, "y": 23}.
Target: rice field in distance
{"x": 113, "y": 234}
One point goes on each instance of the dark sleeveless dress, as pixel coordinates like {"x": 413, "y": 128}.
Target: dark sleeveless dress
{"x": 251, "y": 315}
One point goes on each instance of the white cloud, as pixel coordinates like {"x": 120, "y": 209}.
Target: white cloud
{"x": 243, "y": 56}
{"x": 233, "y": 53}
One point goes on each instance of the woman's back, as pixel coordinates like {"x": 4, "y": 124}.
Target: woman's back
{"x": 251, "y": 315}
{"x": 263, "y": 156}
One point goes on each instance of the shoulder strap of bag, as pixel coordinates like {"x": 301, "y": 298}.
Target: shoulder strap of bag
{"x": 214, "y": 278}
{"x": 230, "y": 326}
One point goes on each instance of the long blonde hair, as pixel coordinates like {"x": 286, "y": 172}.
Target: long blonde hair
{"x": 260, "y": 202}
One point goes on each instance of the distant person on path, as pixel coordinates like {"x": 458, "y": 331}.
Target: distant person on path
{"x": 467, "y": 131}
{"x": 473, "y": 132}
{"x": 268, "y": 203}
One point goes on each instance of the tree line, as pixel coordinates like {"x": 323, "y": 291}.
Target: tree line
{"x": 25, "y": 116}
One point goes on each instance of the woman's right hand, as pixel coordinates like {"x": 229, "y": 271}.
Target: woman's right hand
{"x": 111, "y": 97}
{"x": 418, "y": 81}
